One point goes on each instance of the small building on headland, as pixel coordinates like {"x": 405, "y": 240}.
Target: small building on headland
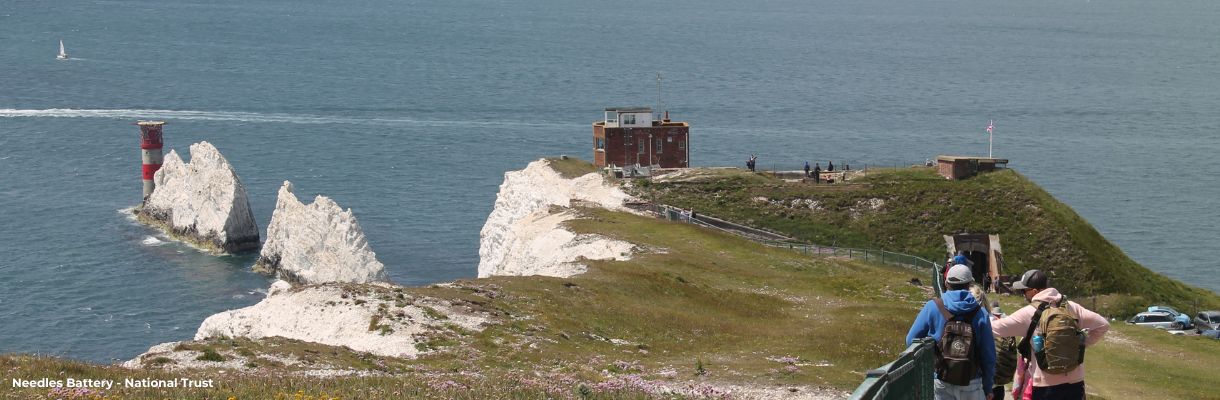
{"x": 631, "y": 136}
{"x": 962, "y": 167}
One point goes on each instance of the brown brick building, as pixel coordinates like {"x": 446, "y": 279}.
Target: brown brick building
{"x": 962, "y": 167}
{"x": 630, "y": 136}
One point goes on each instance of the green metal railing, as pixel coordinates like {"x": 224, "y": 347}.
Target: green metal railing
{"x": 908, "y": 377}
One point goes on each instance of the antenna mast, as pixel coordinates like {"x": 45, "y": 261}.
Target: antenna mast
{"x": 659, "y": 94}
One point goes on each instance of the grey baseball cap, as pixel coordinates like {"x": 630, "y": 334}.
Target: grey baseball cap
{"x": 959, "y": 274}
{"x": 1032, "y": 279}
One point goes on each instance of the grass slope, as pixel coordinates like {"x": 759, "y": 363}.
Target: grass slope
{"x": 907, "y": 210}
{"x": 697, "y": 307}
{"x": 694, "y": 309}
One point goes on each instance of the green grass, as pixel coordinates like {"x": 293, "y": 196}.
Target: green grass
{"x": 918, "y": 206}
{"x": 697, "y": 306}
{"x": 1150, "y": 363}
{"x": 411, "y": 385}
{"x": 716, "y": 298}
{"x": 210, "y": 355}
{"x": 571, "y": 168}
{"x": 708, "y": 299}
{"x": 710, "y": 307}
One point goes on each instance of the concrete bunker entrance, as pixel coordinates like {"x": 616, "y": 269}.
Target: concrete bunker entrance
{"x": 984, "y": 252}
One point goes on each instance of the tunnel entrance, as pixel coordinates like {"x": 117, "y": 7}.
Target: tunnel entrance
{"x": 983, "y": 250}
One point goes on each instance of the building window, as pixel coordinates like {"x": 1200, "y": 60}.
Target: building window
{"x": 601, "y": 143}
{"x": 658, "y": 145}
{"x": 681, "y": 145}
{"x": 641, "y": 147}
{"x": 629, "y": 119}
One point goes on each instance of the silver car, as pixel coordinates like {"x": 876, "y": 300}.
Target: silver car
{"x": 1207, "y": 320}
{"x": 1155, "y": 319}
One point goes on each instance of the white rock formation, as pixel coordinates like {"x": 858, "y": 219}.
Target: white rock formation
{"x": 523, "y": 237}
{"x": 317, "y": 243}
{"x": 202, "y": 201}
{"x": 342, "y": 315}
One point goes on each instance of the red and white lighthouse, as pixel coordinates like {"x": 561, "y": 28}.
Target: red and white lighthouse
{"x": 150, "y": 149}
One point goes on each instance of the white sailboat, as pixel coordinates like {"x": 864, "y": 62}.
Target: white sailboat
{"x": 62, "y": 55}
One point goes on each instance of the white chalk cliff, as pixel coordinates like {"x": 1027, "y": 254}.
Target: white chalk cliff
{"x": 203, "y": 201}
{"x": 366, "y": 319}
{"x": 322, "y": 246}
{"x": 522, "y": 236}
{"x": 317, "y": 243}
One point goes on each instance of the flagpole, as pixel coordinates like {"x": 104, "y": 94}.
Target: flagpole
{"x": 990, "y": 136}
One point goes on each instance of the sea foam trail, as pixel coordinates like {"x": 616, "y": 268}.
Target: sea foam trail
{"x": 276, "y": 118}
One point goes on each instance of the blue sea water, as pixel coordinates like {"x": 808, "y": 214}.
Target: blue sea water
{"x": 410, "y": 111}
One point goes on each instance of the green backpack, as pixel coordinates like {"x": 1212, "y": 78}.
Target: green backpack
{"x": 1005, "y": 360}
{"x": 1063, "y": 341}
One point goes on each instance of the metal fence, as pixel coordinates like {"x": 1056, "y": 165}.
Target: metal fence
{"x": 908, "y": 377}
{"x": 875, "y": 256}
{"x": 773, "y": 239}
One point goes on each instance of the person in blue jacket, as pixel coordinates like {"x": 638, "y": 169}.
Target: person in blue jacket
{"x": 960, "y": 303}
{"x": 961, "y": 258}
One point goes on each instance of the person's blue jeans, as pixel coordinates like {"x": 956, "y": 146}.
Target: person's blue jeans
{"x": 949, "y": 391}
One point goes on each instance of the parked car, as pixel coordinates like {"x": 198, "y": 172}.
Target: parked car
{"x": 1177, "y": 316}
{"x": 1207, "y": 320}
{"x": 1167, "y": 309}
{"x": 1155, "y": 319}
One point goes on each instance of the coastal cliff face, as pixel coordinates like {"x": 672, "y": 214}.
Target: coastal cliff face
{"x": 524, "y": 233}
{"x": 202, "y": 201}
{"x": 316, "y": 243}
{"x": 378, "y": 319}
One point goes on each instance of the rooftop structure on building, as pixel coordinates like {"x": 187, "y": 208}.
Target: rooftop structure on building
{"x": 634, "y": 137}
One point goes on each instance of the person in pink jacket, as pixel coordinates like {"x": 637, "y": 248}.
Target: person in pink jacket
{"x": 1046, "y": 386}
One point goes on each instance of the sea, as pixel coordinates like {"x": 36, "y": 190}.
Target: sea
{"x": 409, "y": 112}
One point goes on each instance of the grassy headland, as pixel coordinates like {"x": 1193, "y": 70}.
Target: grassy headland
{"x": 695, "y": 310}
{"x": 907, "y": 210}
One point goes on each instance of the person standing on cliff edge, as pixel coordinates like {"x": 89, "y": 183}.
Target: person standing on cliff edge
{"x": 1043, "y": 385}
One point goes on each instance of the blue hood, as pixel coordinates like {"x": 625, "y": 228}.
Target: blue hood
{"x": 959, "y": 301}
{"x": 930, "y": 323}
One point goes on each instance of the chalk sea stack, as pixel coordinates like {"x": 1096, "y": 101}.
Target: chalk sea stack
{"x": 202, "y": 202}
{"x": 316, "y": 243}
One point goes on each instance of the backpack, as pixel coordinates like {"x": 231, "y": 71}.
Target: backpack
{"x": 1005, "y": 360}
{"x": 956, "y": 359}
{"x": 1063, "y": 341}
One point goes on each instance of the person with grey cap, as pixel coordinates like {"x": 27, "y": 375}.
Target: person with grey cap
{"x": 1035, "y": 285}
{"x": 959, "y": 305}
